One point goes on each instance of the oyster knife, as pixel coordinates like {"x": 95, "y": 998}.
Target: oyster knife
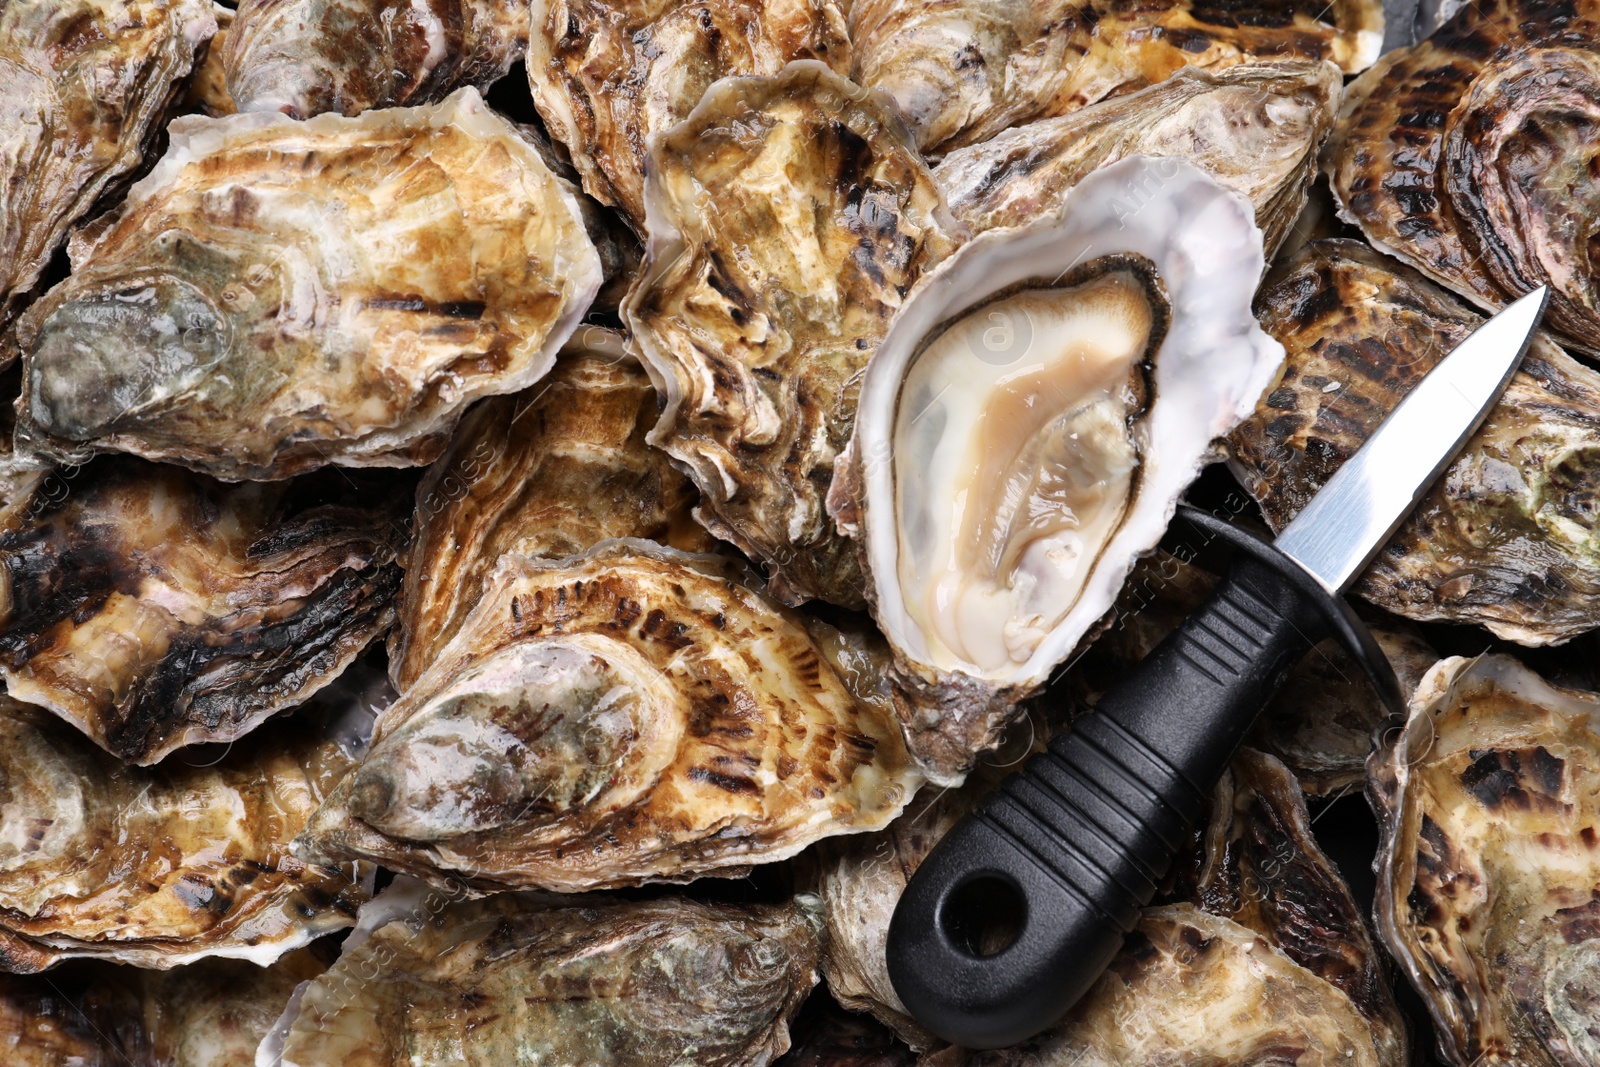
{"x": 1018, "y": 910}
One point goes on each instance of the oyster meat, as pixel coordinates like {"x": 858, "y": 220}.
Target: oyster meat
{"x": 1506, "y": 538}
{"x": 788, "y": 218}
{"x": 610, "y": 75}
{"x": 1488, "y": 871}
{"x": 962, "y": 71}
{"x": 253, "y": 319}
{"x": 1472, "y": 156}
{"x": 84, "y": 88}
{"x": 526, "y": 979}
{"x": 162, "y": 866}
{"x": 996, "y": 530}
{"x": 1255, "y": 128}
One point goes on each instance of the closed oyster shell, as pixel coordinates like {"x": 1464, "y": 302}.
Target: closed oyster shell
{"x": 307, "y": 57}
{"x": 252, "y": 319}
{"x": 964, "y": 70}
{"x": 629, "y": 715}
{"x": 162, "y": 866}
{"x": 1489, "y": 871}
{"x": 788, "y": 218}
{"x": 610, "y": 75}
{"x": 154, "y": 608}
{"x": 1506, "y": 538}
{"x": 84, "y": 88}
{"x": 518, "y": 978}
{"x": 1255, "y": 128}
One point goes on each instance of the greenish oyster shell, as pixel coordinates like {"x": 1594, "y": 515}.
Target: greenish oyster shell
{"x": 278, "y": 295}
{"x": 522, "y": 978}
{"x": 1489, "y": 864}
{"x": 1506, "y": 538}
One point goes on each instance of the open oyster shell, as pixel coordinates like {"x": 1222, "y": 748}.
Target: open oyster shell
{"x": 1488, "y": 872}
{"x": 1255, "y": 128}
{"x": 84, "y": 88}
{"x": 788, "y": 217}
{"x": 1506, "y": 538}
{"x": 252, "y": 319}
{"x": 996, "y": 531}
{"x": 595, "y": 981}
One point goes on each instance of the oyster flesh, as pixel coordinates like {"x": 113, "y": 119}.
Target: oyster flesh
{"x": 253, "y": 319}
{"x": 788, "y": 217}
{"x": 962, "y": 71}
{"x": 84, "y": 88}
{"x": 1255, "y": 128}
{"x": 307, "y": 57}
{"x": 610, "y": 75}
{"x": 1472, "y": 156}
{"x": 162, "y": 866}
{"x": 1489, "y": 869}
{"x": 995, "y": 530}
{"x": 1507, "y": 537}
{"x": 525, "y": 979}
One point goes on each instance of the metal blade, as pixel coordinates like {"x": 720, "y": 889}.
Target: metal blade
{"x": 1351, "y": 517}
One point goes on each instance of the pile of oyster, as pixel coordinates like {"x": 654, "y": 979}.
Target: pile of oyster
{"x": 522, "y": 523}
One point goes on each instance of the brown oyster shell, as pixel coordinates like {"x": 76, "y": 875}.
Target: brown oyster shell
{"x": 162, "y": 866}
{"x": 84, "y": 88}
{"x": 962, "y": 71}
{"x": 1255, "y": 128}
{"x": 609, "y": 75}
{"x": 253, "y": 319}
{"x": 762, "y": 299}
{"x": 1489, "y": 870}
{"x": 1505, "y": 538}
{"x": 308, "y": 57}
{"x": 1472, "y": 157}
{"x": 520, "y": 978}
{"x": 208, "y": 88}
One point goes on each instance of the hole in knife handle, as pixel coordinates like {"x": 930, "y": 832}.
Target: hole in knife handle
{"x": 984, "y": 915}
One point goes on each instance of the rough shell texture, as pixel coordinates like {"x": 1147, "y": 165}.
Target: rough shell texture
{"x": 154, "y": 608}
{"x": 1506, "y": 538}
{"x": 253, "y": 318}
{"x": 207, "y": 93}
{"x": 633, "y": 714}
{"x": 1255, "y": 128}
{"x": 161, "y": 866}
{"x": 788, "y": 218}
{"x": 1489, "y": 870}
{"x": 548, "y": 472}
{"x": 1472, "y": 157}
{"x": 608, "y": 75}
{"x": 964, "y": 70}
{"x": 516, "y": 979}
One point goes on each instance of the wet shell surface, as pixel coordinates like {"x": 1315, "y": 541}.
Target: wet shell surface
{"x": 788, "y": 217}
{"x": 1489, "y": 867}
{"x": 253, "y": 319}
{"x": 995, "y": 531}
{"x": 1506, "y": 537}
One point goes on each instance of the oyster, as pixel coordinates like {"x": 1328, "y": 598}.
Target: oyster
{"x": 1255, "y": 128}
{"x": 826, "y": 1035}
{"x": 85, "y": 86}
{"x": 307, "y": 57}
{"x": 525, "y": 979}
{"x": 1489, "y": 872}
{"x": 633, "y": 714}
{"x": 162, "y": 866}
{"x": 154, "y": 608}
{"x": 1506, "y": 538}
{"x": 610, "y": 75}
{"x": 995, "y": 531}
{"x": 788, "y": 217}
{"x": 253, "y": 319}
{"x": 1471, "y": 157}
{"x": 964, "y": 70}
{"x": 548, "y": 472}
{"x": 208, "y": 88}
